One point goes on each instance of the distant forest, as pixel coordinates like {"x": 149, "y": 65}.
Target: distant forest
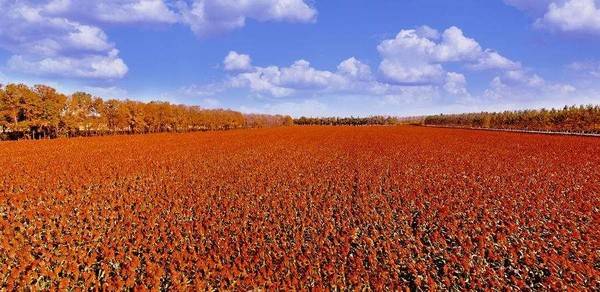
{"x": 573, "y": 119}
{"x": 351, "y": 121}
{"x": 41, "y": 111}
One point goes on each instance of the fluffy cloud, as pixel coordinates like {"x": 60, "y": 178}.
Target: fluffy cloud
{"x": 455, "y": 47}
{"x": 49, "y": 45}
{"x": 352, "y": 77}
{"x": 416, "y": 56}
{"x": 262, "y": 80}
{"x": 522, "y": 85}
{"x": 355, "y": 69}
{"x": 301, "y": 75}
{"x": 406, "y": 59}
{"x": 237, "y": 62}
{"x": 492, "y": 60}
{"x": 283, "y": 81}
{"x": 26, "y": 29}
{"x": 426, "y": 45}
{"x": 411, "y": 71}
{"x": 112, "y": 11}
{"x": 411, "y": 74}
{"x": 572, "y": 16}
{"x": 64, "y": 38}
{"x": 581, "y": 16}
{"x": 519, "y": 77}
{"x": 456, "y": 84}
{"x": 92, "y": 66}
{"x": 207, "y": 17}
{"x": 412, "y": 63}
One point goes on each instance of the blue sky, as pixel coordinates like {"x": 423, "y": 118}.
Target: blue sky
{"x": 311, "y": 58}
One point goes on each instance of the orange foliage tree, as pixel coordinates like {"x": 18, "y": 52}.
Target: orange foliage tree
{"x": 43, "y": 112}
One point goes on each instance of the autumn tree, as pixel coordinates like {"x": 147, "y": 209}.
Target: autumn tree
{"x": 114, "y": 115}
{"x": 10, "y": 105}
{"x": 42, "y": 111}
{"x": 50, "y": 115}
{"x": 96, "y": 120}
{"x": 22, "y": 106}
{"x": 3, "y": 106}
{"x": 135, "y": 116}
{"x": 78, "y": 110}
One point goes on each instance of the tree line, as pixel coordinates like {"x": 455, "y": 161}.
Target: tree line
{"x": 576, "y": 119}
{"x": 42, "y": 112}
{"x": 584, "y": 119}
{"x": 262, "y": 121}
{"x": 351, "y": 121}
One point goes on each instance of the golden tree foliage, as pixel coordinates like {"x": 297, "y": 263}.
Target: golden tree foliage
{"x": 42, "y": 112}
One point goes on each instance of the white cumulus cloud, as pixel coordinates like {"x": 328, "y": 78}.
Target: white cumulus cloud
{"x": 354, "y": 68}
{"x": 456, "y": 84}
{"x": 572, "y": 16}
{"x": 208, "y": 17}
{"x": 65, "y": 38}
{"x": 412, "y": 70}
{"x": 237, "y": 62}
{"x": 56, "y": 46}
{"x": 416, "y": 56}
{"x": 301, "y": 76}
{"x": 91, "y": 66}
{"x": 567, "y": 16}
{"x": 523, "y": 85}
{"x": 492, "y": 60}
{"x": 112, "y": 11}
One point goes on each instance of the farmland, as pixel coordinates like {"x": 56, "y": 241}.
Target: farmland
{"x": 302, "y": 207}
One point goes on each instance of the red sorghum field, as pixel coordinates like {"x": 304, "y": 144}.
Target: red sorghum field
{"x": 302, "y": 207}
